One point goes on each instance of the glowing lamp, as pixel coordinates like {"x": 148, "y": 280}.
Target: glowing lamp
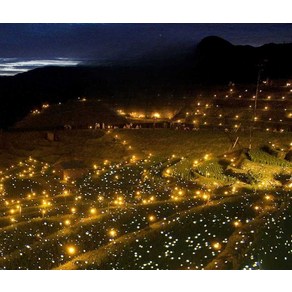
{"x": 151, "y": 218}
{"x": 205, "y": 197}
{"x": 113, "y": 233}
{"x": 67, "y": 222}
{"x": 93, "y": 211}
{"x": 71, "y": 250}
{"x": 236, "y": 223}
{"x": 216, "y": 245}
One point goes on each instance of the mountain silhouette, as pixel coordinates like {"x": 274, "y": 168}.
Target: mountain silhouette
{"x": 218, "y": 61}
{"x": 213, "y": 61}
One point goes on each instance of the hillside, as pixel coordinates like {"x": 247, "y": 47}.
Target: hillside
{"x": 75, "y": 114}
{"x": 129, "y": 209}
{"x": 214, "y": 61}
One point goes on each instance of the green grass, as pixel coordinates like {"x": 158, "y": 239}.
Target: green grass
{"x": 263, "y": 157}
{"x": 213, "y": 169}
{"x": 92, "y": 146}
{"x": 182, "y": 169}
{"x": 122, "y": 177}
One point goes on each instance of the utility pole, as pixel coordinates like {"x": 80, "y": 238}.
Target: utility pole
{"x": 252, "y": 125}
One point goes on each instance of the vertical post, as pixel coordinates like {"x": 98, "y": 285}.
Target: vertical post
{"x": 255, "y": 108}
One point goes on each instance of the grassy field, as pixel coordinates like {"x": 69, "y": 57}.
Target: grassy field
{"x": 196, "y": 143}
{"x": 95, "y": 146}
{"x": 149, "y": 199}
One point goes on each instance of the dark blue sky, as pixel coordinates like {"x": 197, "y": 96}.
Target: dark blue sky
{"x": 36, "y": 45}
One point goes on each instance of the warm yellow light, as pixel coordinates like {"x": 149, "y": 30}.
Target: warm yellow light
{"x": 216, "y": 245}
{"x": 151, "y": 218}
{"x": 119, "y": 200}
{"x": 205, "y": 197}
{"x": 73, "y": 210}
{"x": 100, "y": 198}
{"x": 268, "y": 197}
{"x": 207, "y": 156}
{"x": 67, "y": 222}
{"x": 46, "y": 105}
{"x": 35, "y": 112}
{"x": 93, "y": 211}
{"x": 71, "y": 250}
{"x": 156, "y": 115}
{"x": 236, "y": 223}
{"x": 121, "y": 112}
{"x": 113, "y": 233}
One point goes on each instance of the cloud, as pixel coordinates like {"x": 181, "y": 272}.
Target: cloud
{"x": 13, "y": 66}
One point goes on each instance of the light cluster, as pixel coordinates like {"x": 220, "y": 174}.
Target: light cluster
{"x": 137, "y": 214}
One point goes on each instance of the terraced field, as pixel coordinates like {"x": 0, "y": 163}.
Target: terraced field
{"x": 149, "y": 211}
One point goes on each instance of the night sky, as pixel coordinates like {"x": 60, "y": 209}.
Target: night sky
{"x": 27, "y": 46}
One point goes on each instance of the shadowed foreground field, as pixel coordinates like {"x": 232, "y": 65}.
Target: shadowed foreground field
{"x": 146, "y": 199}
{"x": 93, "y": 146}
